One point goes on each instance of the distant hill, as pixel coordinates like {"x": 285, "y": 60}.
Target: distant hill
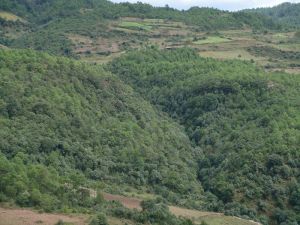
{"x": 286, "y": 13}
{"x": 49, "y": 22}
{"x": 206, "y": 18}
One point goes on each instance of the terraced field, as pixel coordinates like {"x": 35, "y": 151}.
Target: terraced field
{"x": 211, "y": 40}
{"x": 133, "y": 33}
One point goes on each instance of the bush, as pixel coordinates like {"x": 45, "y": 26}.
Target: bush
{"x": 99, "y": 220}
{"x": 60, "y": 222}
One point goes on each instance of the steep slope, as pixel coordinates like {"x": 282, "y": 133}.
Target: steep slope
{"x": 245, "y": 122}
{"x": 76, "y": 118}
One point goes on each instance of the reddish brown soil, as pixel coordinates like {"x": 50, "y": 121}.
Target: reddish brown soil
{"x": 131, "y": 203}
{"x": 28, "y": 217}
{"x": 134, "y": 203}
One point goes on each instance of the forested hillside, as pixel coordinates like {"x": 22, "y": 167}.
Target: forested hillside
{"x": 83, "y": 122}
{"x": 286, "y": 13}
{"x": 41, "y": 12}
{"x": 244, "y": 122}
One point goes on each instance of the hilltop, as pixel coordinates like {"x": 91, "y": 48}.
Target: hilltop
{"x": 285, "y": 13}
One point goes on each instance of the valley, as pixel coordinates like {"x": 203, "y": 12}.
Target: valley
{"x": 126, "y": 113}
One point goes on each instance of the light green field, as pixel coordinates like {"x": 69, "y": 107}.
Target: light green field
{"x": 212, "y": 40}
{"x": 289, "y": 46}
{"x": 10, "y": 16}
{"x": 225, "y": 220}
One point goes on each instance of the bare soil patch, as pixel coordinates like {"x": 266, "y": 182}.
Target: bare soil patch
{"x": 131, "y": 203}
{"x": 29, "y": 217}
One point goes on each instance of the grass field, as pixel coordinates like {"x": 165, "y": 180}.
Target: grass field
{"x": 230, "y": 54}
{"x": 217, "y": 220}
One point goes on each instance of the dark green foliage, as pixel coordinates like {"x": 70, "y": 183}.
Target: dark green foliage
{"x": 60, "y": 222}
{"x": 245, "y": 122}
{"x": 36, "y": 185}
{"x": 75, "y": 117}
{"x": 99, "y": 220}
{"x": 45, "y": 40}
{"x": 286, "y": 13}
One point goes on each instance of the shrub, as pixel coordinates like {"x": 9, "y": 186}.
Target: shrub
{"x": 99, "y": 220}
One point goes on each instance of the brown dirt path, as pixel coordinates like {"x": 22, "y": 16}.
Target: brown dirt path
{"x": 134, "y": 203}
{"x": 128, "y": 202}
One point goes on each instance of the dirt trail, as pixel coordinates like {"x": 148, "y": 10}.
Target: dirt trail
{"x": 28, "y": 217}
{"x": 135, "y": 203}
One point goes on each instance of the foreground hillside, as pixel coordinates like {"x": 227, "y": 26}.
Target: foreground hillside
{"x": 244, "y": 122}
{"x": 64, "y": 118}
{"x": 158, "y": 121}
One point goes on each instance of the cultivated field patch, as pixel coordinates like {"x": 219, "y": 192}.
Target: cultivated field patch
{"x": 211, "y": 40}
{"x": 29, "y": 217}
{"x": 197, "y": 216}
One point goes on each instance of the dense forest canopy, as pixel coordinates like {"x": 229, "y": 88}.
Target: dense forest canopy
{"x": 245, "y": 122}
{"x": 286, "y": 13}
{"x": 78, "y": 118}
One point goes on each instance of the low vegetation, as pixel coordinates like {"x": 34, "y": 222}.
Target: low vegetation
{"x": 210, "y": 40}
